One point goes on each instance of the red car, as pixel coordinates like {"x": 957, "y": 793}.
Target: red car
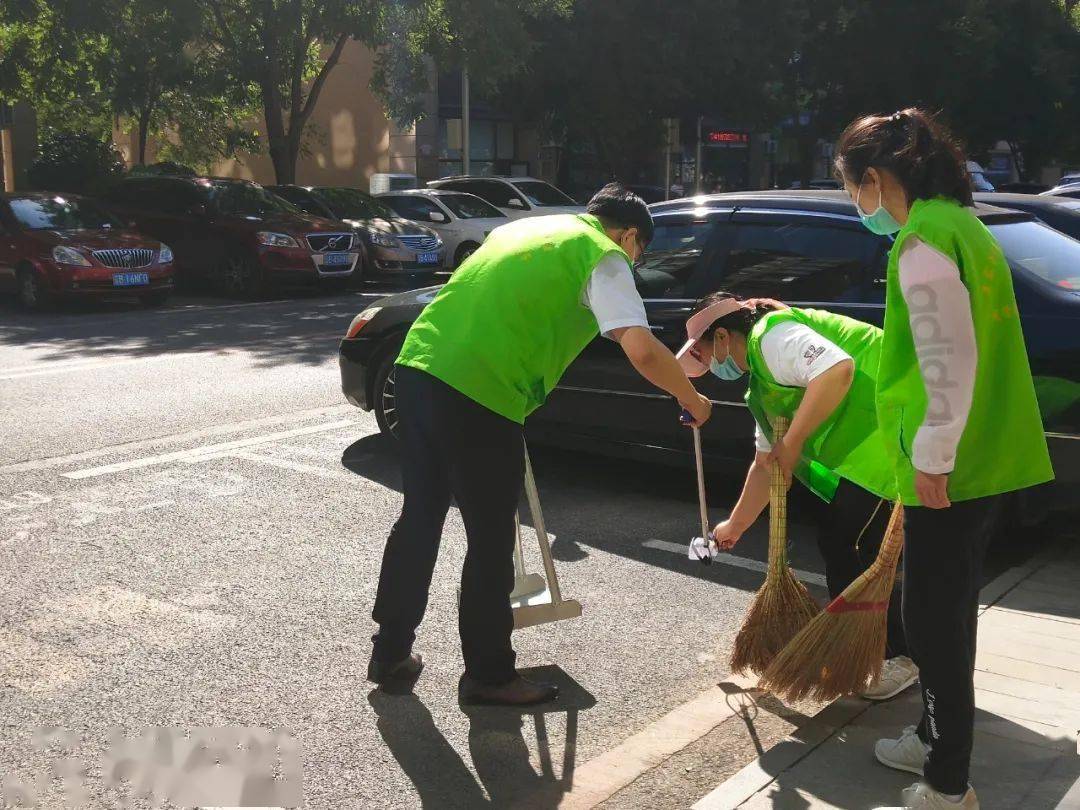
{"x": 56, "y": 245}
{"x": 236, "y": 235}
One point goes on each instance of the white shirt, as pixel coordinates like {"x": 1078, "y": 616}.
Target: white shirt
{"x": 795, "y": 355}
{"x": 939, "y": 308}
{"x": 612, "y": 296}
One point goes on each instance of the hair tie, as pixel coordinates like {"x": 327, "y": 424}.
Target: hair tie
{"x": 896, "y": 117}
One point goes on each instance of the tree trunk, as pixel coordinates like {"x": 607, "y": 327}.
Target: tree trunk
{"x": 284, "y": 160}
{"x": 144, "y": 131}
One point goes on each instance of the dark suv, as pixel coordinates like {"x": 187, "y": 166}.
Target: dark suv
{"x": 235, "y": 234}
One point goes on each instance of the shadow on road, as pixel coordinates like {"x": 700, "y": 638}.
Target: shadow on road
{"x": 302, "y": 329}
{"x": 505, "y": 774}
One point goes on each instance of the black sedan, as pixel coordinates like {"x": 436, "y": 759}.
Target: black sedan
{"x": 808, "y": 248}
{"x": 1060, "y": 213}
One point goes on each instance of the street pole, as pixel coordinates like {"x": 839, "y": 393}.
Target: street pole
{"x": 697, "y": 164}
{"x": 667, "y": 158}
{"x": 465, "y": 120}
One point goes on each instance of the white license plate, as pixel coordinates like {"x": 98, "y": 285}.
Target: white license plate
{"x": 337, "y": 258}
{"x": 428, "y": 258}
{"x": 130, "y": 279}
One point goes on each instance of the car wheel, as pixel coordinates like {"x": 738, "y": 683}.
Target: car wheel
{"x": 385, "y": 396}
{"x": 242, "y": 276}
{"x": 464, "y": 251}
{"x": 33, "y": 295}
{"x": 155, "y": 298}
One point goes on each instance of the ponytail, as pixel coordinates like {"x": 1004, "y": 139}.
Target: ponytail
{"x": 914, "y": 146}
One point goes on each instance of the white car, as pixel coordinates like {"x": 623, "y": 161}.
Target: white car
{"x": 463, "y": 221}
{"x": 516, "y": 197}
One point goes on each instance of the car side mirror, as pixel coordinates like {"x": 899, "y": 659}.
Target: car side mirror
{"x": 514, "y": 202}
{"x": 437, "y": 216}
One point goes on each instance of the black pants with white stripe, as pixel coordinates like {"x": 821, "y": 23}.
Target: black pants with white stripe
{"x": 943, "y": 570}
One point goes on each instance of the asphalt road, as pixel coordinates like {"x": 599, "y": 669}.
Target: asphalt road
{"x": 191, "y": 525}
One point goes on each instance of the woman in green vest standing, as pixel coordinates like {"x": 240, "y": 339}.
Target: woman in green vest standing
{"x": 957, "y": 410}
{"x": 819, "y": 370}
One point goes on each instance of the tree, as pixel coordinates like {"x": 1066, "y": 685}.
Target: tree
{"x": 87, "y": 66}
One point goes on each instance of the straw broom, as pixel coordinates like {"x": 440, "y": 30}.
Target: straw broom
{"x": 782, "y": 606}
{"x": 841, "y": 651}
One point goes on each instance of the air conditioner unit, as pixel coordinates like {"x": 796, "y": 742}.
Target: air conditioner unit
{"x": 383, "y": 182}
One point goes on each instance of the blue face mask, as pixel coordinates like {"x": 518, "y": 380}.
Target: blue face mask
{"x": 728, "y": 370}
{"x": 880, "y": 221}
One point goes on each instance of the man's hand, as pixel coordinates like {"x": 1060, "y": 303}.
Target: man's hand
{"x": 933, "y": 490}
{"x": 700, "y": 409}
{"x": 726, "y": 534}
{"x": 786, "y": 452}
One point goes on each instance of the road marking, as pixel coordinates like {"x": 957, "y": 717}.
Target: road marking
{"x": 31, "y": 465}
{"x": 282, "y": 463}
{"x": 89, "y": 366}
{"x": 208, "y": 450}
{"x": 809, "y": 577}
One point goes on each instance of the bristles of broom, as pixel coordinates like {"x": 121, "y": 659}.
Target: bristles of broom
{"x": 782, "y": 606}
{"x": 841, "y": 651}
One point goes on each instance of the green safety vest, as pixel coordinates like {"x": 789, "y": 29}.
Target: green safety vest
{"x": 1003, "y": 447}
{"x": 847, "y": 444}
{"x": 511, "y": 319}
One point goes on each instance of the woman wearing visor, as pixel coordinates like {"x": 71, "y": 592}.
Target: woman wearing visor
{"x": 819, "y": 370}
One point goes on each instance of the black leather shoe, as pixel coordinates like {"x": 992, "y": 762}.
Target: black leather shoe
{"x": 518, "y": 692}
{"x": 408, "y": 669}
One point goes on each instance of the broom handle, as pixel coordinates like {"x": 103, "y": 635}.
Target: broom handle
{"x": 778, "y": 493}
{"x": 889, "y": 553}
{"x": 705, "y": 534}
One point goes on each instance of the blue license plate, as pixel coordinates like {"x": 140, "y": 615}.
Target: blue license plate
{"x": 428, "y": 258}
{"x": 130, "y": 279}
{"x": 337, "y": 258}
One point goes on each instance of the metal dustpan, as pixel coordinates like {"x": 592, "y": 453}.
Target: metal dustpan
{"x": 534, "y": 599}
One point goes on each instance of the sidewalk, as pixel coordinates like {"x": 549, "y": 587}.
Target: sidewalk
{"x": 1027, "y": 724}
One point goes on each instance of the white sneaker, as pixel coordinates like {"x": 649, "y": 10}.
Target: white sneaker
{"x": 897, "y": 674}
{"x": 905, "y": 754}
{"x": 921, "y": 796}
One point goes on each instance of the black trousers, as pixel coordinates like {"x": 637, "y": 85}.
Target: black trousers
{"x": 453, "y": 447}
{"x": 943, "y": 566}
{"x": 850, "y": 531}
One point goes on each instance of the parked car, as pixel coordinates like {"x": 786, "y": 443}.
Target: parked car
{"x": 393, "y": 246}
{"x": 56, "y": 245}
{"x": 824, "y": 184}
{"x": 462, "y": 220}
{"x": 1069, "y": 179}
{"x": 1022, "y": 187}
{"x": 1060, "y": 213}
{"x": 516, "y": 197}
{"x": 1064, "y": 190}
{"x": 235, "y": 234}
{"x": 979, "y": 180}
{"x": 806, "y": 247}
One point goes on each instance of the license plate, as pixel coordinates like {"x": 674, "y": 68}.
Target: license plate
{"x": 428, "y": 258}
{"x": 337, "y": 258}
{"x": 130, "y": 279}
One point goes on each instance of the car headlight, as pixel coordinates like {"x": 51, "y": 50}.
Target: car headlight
{"x": 164, "y": 255}
{"x": 384, "y": 239}
{"x": 276, "y": 239}
{"x": 66, "y": 255}
{"x": 361, "y": 320}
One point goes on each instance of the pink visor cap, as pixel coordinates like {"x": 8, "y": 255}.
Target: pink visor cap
{"x": 696, "y": 327}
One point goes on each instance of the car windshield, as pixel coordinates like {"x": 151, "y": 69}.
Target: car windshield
{"x": 1042, "y": 251}
{"x": 540, "y": 193}
{"x": 468, "y": 206}
{"x": 249, "y": 200}
{"x": 351, "y": 203}
{"x": 60, "y": 213}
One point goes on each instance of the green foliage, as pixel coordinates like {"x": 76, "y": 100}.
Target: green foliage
{"x": 162, "y": 168}
{"x": 77, "y": 163}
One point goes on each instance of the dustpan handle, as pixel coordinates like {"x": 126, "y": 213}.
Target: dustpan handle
{"x": 541, "y": 533}
{"x": 705, "y": 533}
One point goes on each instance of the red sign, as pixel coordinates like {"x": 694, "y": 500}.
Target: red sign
{"x": 727, "y": 137}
